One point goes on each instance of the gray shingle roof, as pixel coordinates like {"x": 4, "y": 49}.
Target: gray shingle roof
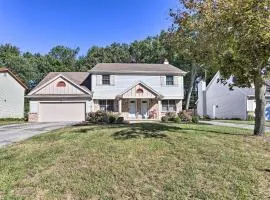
{"x": 80, "y": 78}
{"x": 136, "y": 68}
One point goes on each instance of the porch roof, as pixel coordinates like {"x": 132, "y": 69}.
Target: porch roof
{"x": 140, "y": 90}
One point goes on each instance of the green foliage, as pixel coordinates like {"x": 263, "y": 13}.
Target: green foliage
{"x": 171, "y": 116}
{"x": 195, "y": 119}
{"x": 103, "y": 117}
{"x": 11, "y": 119}
{"x": 177, "y": 120}
{"x": 184, "y": 116}
{"x": 164, "y": 119}
{"x": 250, "y": 117}
{"x": 32, "y": 67}
{"x": 120, "y": 120}
{"x": 232, "y": 37}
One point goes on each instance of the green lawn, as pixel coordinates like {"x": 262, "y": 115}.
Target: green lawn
{"x": 267, "y": 123}
{"x": 7, "y": 121}
{"x": 139, "y": 161}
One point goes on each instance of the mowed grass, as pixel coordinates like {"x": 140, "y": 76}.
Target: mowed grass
{"x": 7, "y": 121}
{"x": 138, "y": 161}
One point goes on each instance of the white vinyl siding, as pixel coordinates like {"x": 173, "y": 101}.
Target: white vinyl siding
{"x": 11, "y": 97}
{"x": 33, "y": 106}
{"x": 123, "y": 82}
{"x": 52, "y": 88}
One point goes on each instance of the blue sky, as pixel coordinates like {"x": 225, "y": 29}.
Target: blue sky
{"x": 38, "y": 25}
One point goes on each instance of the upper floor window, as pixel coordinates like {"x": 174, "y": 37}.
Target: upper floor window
{"x": 106, "y": 80}
{"x": 169, "y": 80}
{"x": 61, "y": 84}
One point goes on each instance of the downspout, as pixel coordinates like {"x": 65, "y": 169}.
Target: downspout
{"x": 246, "y": 108}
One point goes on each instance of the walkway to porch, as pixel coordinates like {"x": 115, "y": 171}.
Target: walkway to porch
{"x": 135, "y": 121}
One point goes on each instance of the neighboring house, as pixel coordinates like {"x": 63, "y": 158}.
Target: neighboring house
{"x": 136, "y": 91}
{"x": 12, "y": 91}
{"x": 218, "y": 101}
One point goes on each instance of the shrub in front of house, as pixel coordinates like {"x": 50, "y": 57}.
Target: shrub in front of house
{"x": 112, "y": 117}
{"x": 102, "y": 117}
{"x": 99, "y": 116}
{"x": 206, "y": 117}
{"x": 177, "y": 120}
{"x": 250, "y": 117}
{"x": 171, "y": 116}
{"x": 164, "y": 119}
{"x": 195, "y": 119}
{"x": 120, "y": 120}
{"x": 184, "y": 116}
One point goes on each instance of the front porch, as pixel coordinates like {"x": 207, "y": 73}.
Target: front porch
{"x": 140, "y": 109}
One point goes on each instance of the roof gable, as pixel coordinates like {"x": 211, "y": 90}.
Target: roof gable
{"x": 139, "y": 90}
{"x": 51, "y": 87}
{"x": 6, "y": 70}
{"x": 244, "y": 91}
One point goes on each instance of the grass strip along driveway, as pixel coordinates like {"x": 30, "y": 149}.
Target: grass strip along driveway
{"x": 138, "y": 161}
{"x": 6, "y": 121}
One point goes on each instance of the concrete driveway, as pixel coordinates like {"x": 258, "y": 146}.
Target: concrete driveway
{"x": 245, "y": 126}
{"x": 17, "y": 132}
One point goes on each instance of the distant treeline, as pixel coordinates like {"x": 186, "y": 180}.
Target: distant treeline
{"x": 32, "y": 67}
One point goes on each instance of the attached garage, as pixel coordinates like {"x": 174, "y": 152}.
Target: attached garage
{"x": 61, "y": 111}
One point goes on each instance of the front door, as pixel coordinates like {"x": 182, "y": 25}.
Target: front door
{"x": 132, "y": 109}
{"x": 144, "y": 109}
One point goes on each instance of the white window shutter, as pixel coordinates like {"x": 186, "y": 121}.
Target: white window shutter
{"x": 112, "y": 79}
{"x": 99, "y": 79}
{"x": 163, "y": 80}
{"x": 175, "y": 80}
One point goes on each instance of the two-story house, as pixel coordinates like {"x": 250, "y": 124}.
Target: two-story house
{"x": 136, "y": 91}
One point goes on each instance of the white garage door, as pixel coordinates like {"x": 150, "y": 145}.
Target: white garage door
{"x": 61, "y": 112}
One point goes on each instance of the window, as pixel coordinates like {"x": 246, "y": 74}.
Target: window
{"x": 168, "y": 106}
{"x": 267, "y": 88}
{"x": 106, "y": 105}
{"x": 139, "y": 91}
{"x": 169, "y": 80}
{"x": 105, "y": 79}
{"x": 61, "y": 84}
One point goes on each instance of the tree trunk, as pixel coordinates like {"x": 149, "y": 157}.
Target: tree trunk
{"x": 190, "y": 89}
{"x": 260, "y": 90}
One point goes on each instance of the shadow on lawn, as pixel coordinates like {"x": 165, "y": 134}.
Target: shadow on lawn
{"x": 143, "y": 130}
{"x": 153, "y": 130}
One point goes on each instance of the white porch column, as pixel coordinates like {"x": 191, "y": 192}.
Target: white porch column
{"x": 120, "y": 105}
{"x": 159, "y": 109}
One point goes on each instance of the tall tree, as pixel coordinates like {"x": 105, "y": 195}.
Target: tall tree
{"x": 189, "y": 41}
{"x": 238, "y": 33}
